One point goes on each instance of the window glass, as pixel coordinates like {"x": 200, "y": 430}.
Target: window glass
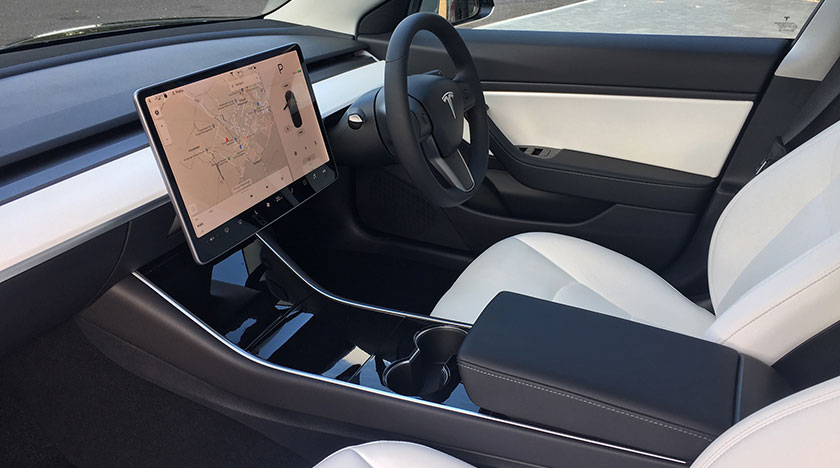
{"x": 744, "y": 18}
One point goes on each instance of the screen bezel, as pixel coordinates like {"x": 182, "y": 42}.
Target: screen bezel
{"x": 244, "y": 225}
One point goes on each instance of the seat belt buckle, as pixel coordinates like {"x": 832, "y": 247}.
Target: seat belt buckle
{"x": 778, "y": 150}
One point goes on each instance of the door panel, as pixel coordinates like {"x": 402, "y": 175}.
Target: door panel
{"x": 668, "y": 132}
{"x": 601, "y": 178}
{"x": 388, "y": 203}
{"x": 669, "y": 65}
{"x": 614, "y": 138}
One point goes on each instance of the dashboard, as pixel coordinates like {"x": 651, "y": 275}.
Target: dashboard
{"x": 76, "y": 167}
{"x": 128, "y": 175}
{"x": 86, "y": 87}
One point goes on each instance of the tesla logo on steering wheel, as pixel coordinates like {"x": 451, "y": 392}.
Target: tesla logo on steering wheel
{"x": 449, "y": 97}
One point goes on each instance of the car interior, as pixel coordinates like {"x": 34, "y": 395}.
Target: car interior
{"x": 506, "y": 248}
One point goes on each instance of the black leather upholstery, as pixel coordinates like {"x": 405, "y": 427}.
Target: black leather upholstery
{"x": 600, "y": 376}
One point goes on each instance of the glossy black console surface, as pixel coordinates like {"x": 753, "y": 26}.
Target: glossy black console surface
{"x": 263, "y": 308}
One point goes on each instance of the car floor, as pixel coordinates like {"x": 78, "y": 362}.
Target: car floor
{"x": 63, "y": 404}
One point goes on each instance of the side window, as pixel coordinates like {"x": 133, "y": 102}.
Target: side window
{"x": 744, "y": 18}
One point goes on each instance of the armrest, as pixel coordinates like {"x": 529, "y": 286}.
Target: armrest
{"x": 604, "y": 377}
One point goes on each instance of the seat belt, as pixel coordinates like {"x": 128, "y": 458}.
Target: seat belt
{"x": 827, "y": 91}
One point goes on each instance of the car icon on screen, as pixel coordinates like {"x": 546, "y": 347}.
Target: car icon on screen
{"x": 291, "y": 104}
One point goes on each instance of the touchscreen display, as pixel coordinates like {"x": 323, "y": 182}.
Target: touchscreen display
{"x": 237, "y": 137}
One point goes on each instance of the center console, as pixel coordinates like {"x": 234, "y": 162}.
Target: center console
{"x": 600, "y": 376}
{"x": 531, "y": 380}
{"x": 286, "y": 322}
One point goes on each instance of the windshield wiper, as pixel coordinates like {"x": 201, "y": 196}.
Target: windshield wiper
{"x": 95, "y": 29}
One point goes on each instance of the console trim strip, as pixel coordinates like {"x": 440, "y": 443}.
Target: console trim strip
{"x": 320, "y": 378}
{"x": 291, "y": 265}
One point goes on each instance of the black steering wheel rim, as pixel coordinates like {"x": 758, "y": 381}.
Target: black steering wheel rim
{"x": 426, "y": 169}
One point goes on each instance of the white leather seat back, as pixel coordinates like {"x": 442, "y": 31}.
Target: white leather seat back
{"x": 775, "y": 254}
{"x": 800, "y": 430}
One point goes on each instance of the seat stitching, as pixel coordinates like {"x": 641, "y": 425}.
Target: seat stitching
{"x": 822, "y": 276}
{"x": 748, "y": 431}
{"x": 361, "y": 456}
{"x": 584, "y": 400}
{"x": 801, "y": 258}
{"x": 631, "y": 315}
{"x": 571, "y": 276}
{"x": 745, "y": 192}
{"x": 351, "y": 450}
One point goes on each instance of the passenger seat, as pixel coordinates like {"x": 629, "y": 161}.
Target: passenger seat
{"x": 802, "y": 430}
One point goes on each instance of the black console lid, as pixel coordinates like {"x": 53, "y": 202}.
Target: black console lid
{"x": 600, "y": 376}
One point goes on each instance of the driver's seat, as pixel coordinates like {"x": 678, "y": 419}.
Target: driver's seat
{"x": 773, "y": 264}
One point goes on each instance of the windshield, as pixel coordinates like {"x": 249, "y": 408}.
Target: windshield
{"x": 31, "y": 18}
{"x": 43, "y": 20}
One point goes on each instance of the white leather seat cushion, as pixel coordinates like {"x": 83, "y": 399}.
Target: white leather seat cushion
{"x": 797, "y": 431}
{"x": 575, "y": 272}
{"x": 390, "y": 454}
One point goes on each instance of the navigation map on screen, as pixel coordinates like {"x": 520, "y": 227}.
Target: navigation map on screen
{"x": 236, "y": 138}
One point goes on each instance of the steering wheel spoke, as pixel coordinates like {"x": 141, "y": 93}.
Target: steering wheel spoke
{"x": 428, "y": 149}
{"x": 466, "y": 94}
{"x": 422, "y": 123}
{"x": 453, "y": 168}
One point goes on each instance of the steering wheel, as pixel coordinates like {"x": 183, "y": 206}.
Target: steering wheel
{"x": 426, "y": 113}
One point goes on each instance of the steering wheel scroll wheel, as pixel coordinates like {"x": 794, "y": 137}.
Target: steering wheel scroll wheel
{"x": 426, "y": 114}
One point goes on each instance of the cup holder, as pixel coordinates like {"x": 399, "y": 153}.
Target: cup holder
{"x": 430, "y": 372}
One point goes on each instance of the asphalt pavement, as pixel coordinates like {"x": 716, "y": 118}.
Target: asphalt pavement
{"x": 747, "y": 18}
